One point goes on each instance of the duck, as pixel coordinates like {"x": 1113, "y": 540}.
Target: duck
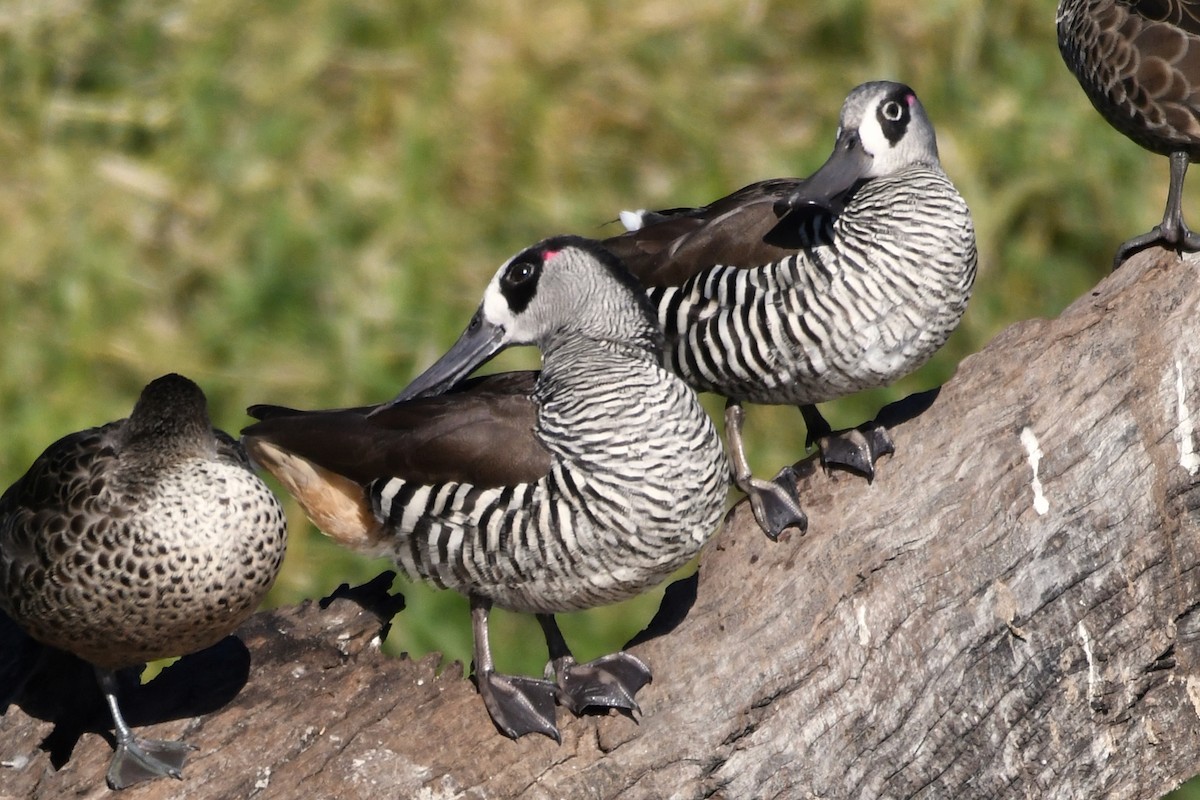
{"x": 1138, "y": 62}
{"x": 140, "y": 539}
{"x": 799, "y": 291}
{"x": 582, "y": 484}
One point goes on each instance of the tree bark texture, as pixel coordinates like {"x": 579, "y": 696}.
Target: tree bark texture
{"x": 1012, "y": 608}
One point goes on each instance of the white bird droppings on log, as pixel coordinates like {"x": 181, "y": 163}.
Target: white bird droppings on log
{"x": 1040, "y": 504}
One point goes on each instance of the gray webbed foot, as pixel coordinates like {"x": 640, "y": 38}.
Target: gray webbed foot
{"x": 1172, "y": 232}
{"x": 610, "y": 681}
{"x": 519, "y": 705}
{"x": 138, "y": 760}
{"x": 855, "y": 449}
{"x": 1181, "y": 239}
{"x": 775, "y": 503}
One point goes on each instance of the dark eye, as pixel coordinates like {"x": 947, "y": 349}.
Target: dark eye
{"x": 893, "y": 116}
{"x": 519, "y": 281}
{"x": 519, "y": 272}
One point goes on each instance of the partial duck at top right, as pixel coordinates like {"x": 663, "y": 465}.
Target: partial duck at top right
{"x": 1138, "y": 61}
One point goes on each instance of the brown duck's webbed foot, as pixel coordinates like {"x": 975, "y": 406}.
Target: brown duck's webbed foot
{"x": 854, "y": 449}
{"x": 611, "y": 681}
{"x": 517, "y": 705}
{"x": 775, "y": 503}
{"x": 1172, "y": 231}
{"x": 138, "y": 760}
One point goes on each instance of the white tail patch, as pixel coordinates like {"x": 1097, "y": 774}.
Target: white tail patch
{"x": 1040, "y": 504}
{"x": 633, "y": 220}
{"x": 1188, "y": 459}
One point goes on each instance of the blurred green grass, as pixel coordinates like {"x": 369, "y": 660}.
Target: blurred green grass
{"x": 301, "y": 202}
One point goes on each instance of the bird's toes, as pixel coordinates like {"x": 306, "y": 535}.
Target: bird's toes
{"x": 857, "y": 449}
{"x": 519, "y": 705}
{"x": 144, "y": 759}
{"x": 776, "y": 504}
{"x": 611, "y": 681}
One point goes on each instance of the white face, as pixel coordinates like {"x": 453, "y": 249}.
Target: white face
{"x": 870, "y": 132}
{"x": 510, "y": 304}
{"x": 893, "y": 130}
{"x": 496, "y": 309}
{"x": 565, "y": 284}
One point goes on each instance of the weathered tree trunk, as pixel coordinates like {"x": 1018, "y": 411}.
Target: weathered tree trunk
{"x": 1011, "y": 609}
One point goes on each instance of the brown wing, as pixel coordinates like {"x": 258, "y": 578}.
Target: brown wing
{"x": 742, "y": 229}
{"x": 481, "y": 433}
{"x": 1183, "y": 14}
{"x": 59, "y": 486}
{"x": 44, "y": 515}
{"x": 1138, "y": 61}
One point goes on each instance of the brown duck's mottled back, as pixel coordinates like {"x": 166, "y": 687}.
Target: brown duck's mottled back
{"x": 140, "y": 539}
{"x": 1138, "y": 61}
{"x": 1139, "y": 64}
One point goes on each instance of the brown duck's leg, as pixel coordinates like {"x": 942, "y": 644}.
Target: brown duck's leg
{"x": 610, "y": 681}
{"x": 1172, "y": 230}
{"x": 775, "y": 503}
{"x": 138, "y": 759}
{"x": 517, "y": 705}
{"x": 856, "y": 449}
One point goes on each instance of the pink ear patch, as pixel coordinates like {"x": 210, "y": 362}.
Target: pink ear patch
{"x": 549, "y": 254}
{"x": 911, "y": 98}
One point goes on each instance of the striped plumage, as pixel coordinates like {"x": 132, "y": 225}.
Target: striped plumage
{"x": 872, "y": 263}
{"x": 1138, "y": 61}
{"x": 879, "y": 291}
{"x": 622, "y": 506}
{"x": 141, "y": 539}
{"x": 581, "y": 486}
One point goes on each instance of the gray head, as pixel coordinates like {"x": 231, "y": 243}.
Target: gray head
{"x": 561, "y": 289}
{"x": 887, "y": 122}
{"x": 882, "y": 130}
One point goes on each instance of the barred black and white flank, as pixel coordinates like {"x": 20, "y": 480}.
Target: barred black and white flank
{"x": 576, "y": 487}
{"x": 806, "y": 290}
{"x": 1138, "y": 61}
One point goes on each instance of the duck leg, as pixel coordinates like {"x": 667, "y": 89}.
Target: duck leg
{"x": 1172, "y": 230}
{"x": 774, "y": 502}
{"x": 855, "y": 449}
{"x": 610, "y": 681}
{"x": 517, "y": 705}
{"x": 137, "y": 759}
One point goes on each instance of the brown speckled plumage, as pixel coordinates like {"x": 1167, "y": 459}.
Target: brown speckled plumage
{"x": 1138, "y": 61}
{"x": 141, "y": 539}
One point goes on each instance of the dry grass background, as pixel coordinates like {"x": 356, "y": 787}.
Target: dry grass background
{"x": 301, "y": 202}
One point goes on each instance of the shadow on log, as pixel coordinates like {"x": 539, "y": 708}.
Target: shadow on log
{"x": 1012, "y": 608}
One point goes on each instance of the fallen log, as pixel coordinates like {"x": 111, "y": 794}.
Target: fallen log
{"x": 1011, "y": 608}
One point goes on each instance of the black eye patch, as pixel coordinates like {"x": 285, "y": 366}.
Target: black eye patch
{"x": 893, "y": 115}
{"x": 518, "y": 282}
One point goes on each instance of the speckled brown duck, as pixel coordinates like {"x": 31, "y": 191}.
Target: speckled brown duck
{"x": 1138, "y": 61}
{"x": 145, "y": 538}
